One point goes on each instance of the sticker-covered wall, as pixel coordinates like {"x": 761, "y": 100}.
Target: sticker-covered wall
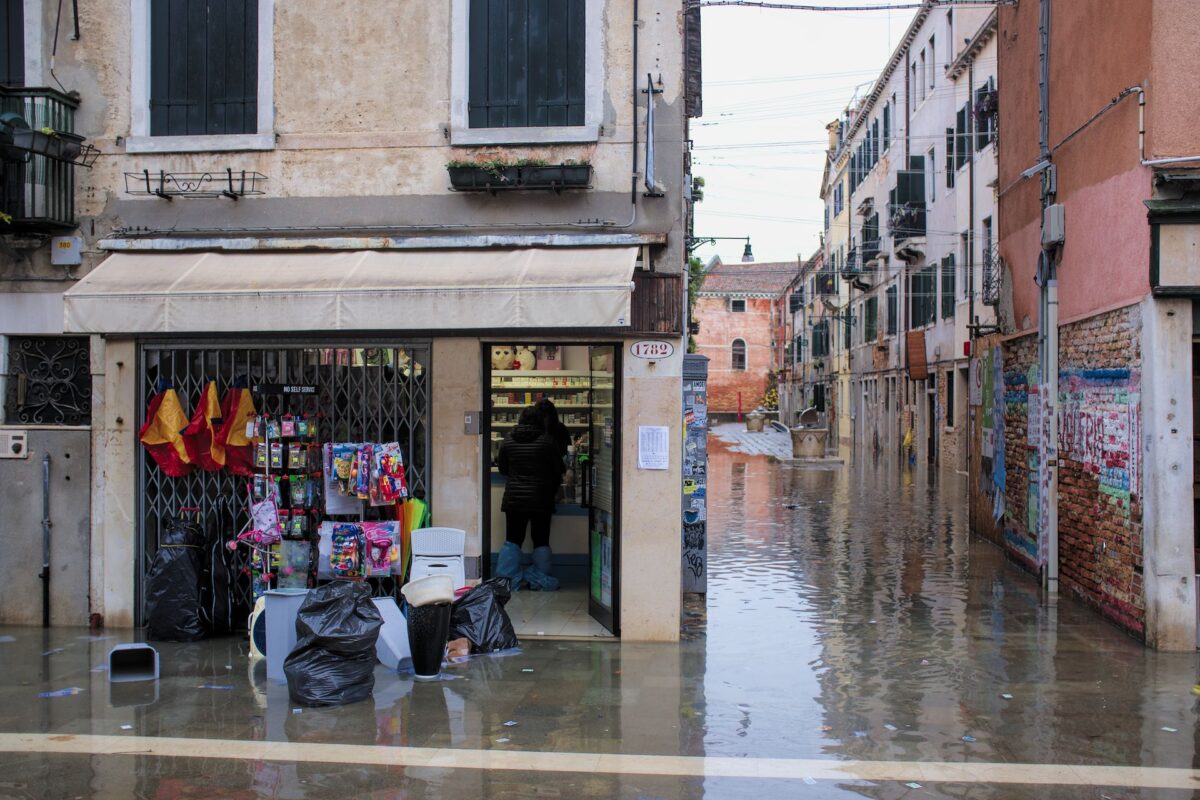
{"x": 1099, "y": 484}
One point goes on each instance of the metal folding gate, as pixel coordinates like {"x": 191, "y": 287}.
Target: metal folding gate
{"x": 365, "y": 391}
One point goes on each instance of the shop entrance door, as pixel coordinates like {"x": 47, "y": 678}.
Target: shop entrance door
{"x": 604, "y": 589}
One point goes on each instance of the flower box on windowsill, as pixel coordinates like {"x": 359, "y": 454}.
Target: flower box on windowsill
{"x": 556, "y": 176}
{"x": 482, "y": 179}
{"x": 490, "y": 179}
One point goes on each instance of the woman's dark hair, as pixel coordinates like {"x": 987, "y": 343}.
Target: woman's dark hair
{"x": 547, "y": 411}
{"x": 530, "y": 416}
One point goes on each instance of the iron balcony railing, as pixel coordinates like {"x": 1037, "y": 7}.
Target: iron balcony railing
{"x": 37, "y": 192}
{"x": 908, "y": 221}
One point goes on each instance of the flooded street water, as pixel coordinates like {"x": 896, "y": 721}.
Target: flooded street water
{"x": 856, "y": 641}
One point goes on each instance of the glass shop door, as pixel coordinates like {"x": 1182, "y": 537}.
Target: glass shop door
{"x": 604, "y": 487}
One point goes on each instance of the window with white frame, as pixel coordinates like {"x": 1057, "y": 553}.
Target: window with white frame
{"x": 526, "y": 72}
{"x": 202, "y": 76}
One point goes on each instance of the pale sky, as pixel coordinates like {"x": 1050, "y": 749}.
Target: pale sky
{"x": 770, "y": 77}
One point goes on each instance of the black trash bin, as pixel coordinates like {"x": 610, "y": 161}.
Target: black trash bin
{"x": 429, "y": 608}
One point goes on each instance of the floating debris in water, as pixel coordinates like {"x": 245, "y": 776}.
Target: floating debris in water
{"x": 99, "y": 668}
{"x": 222, "y": 686}
{"x": 913, "y": 785}
{"x": 527, "y": 669}
{"x": 503, "y": 740}
{"x": 1169, "y": 729}
{"x": 55, "y": 650}
{"x": 126, "y": 727}
{"x": 890, "y": 726}
{"x": 860, "y": 734}
{"x": 297, "y": 710}
{"x": 810, "y": 781}
{"x": 510, "y": 723}
{"x": 968, "y": 739}
{"x": 72, "y": 690}
{"x": 1006, "y": 696}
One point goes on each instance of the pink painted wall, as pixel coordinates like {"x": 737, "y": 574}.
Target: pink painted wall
{"x": 1172, "y": 98}
{"x": 1098, "y": 48}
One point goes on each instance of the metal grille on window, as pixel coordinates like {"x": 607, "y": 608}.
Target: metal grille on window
{"x": 49, "y": 381}
{"x": 365, "y": 393}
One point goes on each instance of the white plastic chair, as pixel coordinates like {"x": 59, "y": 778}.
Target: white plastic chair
{"x": 439, "y": 551}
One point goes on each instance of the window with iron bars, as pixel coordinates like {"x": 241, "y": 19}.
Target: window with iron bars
{"x": 49, "y": 381}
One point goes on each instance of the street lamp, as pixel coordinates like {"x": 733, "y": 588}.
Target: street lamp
{"x": 695, "y": 242}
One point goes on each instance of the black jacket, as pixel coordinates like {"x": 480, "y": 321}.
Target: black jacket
{"x": 530, "y": 460}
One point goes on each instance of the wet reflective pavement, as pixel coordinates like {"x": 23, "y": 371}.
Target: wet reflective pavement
{"x": 856, "y": 642}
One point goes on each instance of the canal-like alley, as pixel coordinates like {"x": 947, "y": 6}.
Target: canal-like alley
{"x": 856, "y": 642}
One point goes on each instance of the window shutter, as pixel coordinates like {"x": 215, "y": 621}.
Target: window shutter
{"x": 204, "y": 67}
{"x": 893, "y": 310}
{"x": 477, "y": 46}
{"x": 950, "y": 165}
{"x": 12, "y": 39}
{"x": 948, "y": 288}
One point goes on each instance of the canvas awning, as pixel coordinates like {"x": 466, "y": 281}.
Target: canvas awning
{"x": 357, "y": 290}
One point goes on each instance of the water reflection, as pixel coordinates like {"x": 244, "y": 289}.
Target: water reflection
{"x": 851, "y": 615}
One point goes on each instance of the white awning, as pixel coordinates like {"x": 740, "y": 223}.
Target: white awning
{"x": 358, "y": 290}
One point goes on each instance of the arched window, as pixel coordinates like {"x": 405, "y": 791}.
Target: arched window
{"x": 739, "y": 354}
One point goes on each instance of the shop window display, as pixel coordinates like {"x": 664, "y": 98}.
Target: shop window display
{"x": 263, "y": 473}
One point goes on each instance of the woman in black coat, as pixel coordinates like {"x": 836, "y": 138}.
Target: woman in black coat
{"x": 530, "y": 461}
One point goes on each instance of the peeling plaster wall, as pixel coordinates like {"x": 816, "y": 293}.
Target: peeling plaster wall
{"x": 361, "y": 110}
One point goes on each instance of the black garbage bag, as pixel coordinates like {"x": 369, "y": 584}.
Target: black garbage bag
{"x": 333, "y": 662}
{"x": 218, "y": 608}
{"x": 479, "y": 616}
{"x": 173, "y": 585}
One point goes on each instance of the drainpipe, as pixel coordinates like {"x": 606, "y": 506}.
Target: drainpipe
{"x": 46, "y": 524}
{"x": 971, "y": 321}
{"x": 1048, "y": 322}
{"x": 634, "y": 108}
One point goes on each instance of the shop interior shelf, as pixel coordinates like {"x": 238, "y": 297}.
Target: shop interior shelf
{"x": 513, "y": 424}
{"x": 556, "y": 405}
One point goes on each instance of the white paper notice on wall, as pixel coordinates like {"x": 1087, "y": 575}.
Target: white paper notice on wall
{"x": 654, "y": 447}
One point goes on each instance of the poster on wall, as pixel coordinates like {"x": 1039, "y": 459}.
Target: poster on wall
{"x": 654, "y": 447}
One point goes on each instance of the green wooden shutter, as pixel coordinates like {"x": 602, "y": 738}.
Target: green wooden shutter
{"x": 950, "y": 164}
{"x": 12, "y": 39}
{"x": 203, "y": 67}
{"x": 948, "y": 286}
{"x": 893, "y": 310}
{"x": 526, "y": 63}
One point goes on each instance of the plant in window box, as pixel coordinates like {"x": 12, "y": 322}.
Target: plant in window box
{"x": 58, "y": 145}
{"x": 987, "y": 104}
{"x": 482, "y": 175}
{"x": 536, "y": 173}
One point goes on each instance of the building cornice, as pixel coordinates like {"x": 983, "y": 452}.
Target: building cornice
{"x": 881, "y": 82}
{"x": 977, "y": 43}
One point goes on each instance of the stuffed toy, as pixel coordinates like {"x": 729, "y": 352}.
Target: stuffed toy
{"x": 524, "y": 358}
{"x": 502, "y": 357}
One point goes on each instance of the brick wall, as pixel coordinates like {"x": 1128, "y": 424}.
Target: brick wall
{"x": 718, "y": 328}
{"x": 1099, "y": 483}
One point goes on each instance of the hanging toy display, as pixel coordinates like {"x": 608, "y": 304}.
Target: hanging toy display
{"x": 346, "y": 555}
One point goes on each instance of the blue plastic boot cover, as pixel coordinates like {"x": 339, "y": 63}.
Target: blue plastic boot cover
{"x": 508, "y": 564}
{"x": 538, "y": 576}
